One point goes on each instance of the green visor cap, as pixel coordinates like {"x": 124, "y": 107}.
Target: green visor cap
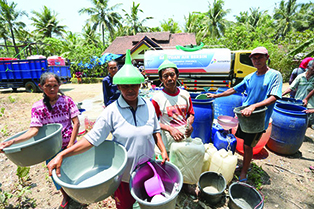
{"x": 128, "y": 74}
{"x": 167, "y": 64}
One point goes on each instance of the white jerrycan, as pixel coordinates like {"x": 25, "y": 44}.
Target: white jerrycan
{"x": 225, "y": 163}
{"x": 210, "y": 149}
{"x": 188, "y": 156}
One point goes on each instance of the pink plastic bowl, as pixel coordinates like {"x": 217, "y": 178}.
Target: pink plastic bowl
{"x": 227, "y": 122}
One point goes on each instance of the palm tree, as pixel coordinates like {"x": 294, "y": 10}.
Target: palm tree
{"x": 90, "y": 35}
{"x": 3, "y": 34}
{"x": 305, "y": 17}
{"x": 194, "y": 24}
{"x": 216, "y": 24}
{"x": 285, "y": 16}
{"x": 10, "y": 16}
{"x": 133, "y": 21}
{"x": 46, "y": 23}
{"x": 103, "y": 16}
{"x": 171, "y": 26}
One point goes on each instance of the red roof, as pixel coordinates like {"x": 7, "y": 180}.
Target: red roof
{"x": 154, "y": 39}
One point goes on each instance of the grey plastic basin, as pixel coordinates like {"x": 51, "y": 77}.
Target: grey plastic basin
{"x": 39, "y": 148}
{"x": 93, "y": 175}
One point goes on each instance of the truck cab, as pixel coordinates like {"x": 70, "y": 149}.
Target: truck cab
{"x": 205, "y": 69}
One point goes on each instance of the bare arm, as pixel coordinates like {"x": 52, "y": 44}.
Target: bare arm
{"x": 288, "y": 90}
{"x": 76, "y": 126}
{"x": 174, "y": 132}
{"x": 306, "y": 99}
{"x": 80, "y": 147}
{"x": 33, "y": 131}
{"x": 248, "y": 111}
{"x": 228, "y": 92}
{"x": 161, "y": 146}
{"x": 189, "y": 129}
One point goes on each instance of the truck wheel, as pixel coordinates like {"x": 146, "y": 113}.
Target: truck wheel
{"x": 14, "y": 89}
{"x": 30, "y": 87}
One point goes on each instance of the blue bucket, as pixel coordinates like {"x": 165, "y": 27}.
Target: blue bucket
{"x": 225, "y": 105}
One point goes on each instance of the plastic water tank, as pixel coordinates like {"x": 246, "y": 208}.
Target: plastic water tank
{"x": 56, "y": 61}
{"x": 203, "y": 119}
{"x": 225, "y": 105}
{"x": 288, "y": 129}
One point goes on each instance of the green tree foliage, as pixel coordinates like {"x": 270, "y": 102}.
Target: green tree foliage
{"x": 215, "y": 18}
{"x": 133, "y": 24}
{"x": 103, "y": 17}
{"x": 9, "y": 16}
{"x": 285, "y": 16}
{"x": 170, "y": 25}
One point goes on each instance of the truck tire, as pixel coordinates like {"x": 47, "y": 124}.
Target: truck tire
{"x": 14, "y": 89}
{"x": 31, "y": 87}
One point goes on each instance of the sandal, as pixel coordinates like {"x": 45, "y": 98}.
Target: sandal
{"x": 65, "y": 206}
{"x": 244, "y": 179}
{"x": 311, "y": 167}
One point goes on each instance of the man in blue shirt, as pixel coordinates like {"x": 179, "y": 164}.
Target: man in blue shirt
{"x": 263, "y": 88}
{"x": 110, "y": 90}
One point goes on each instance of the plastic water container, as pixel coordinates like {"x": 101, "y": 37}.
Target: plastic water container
{"x": 203, "y": 119}
{"x": 82, "y": 127}
{"x": 210, "y": 149}
{"x": 188, "y": 156}
{"x": 56, "y": 61}
{"x": 288, "y": 129}
{"x": 216, "y": 127}
{"x": 224, "y": 140}
{"x": 224, "y": 162}
{"x": 225, "y": 105}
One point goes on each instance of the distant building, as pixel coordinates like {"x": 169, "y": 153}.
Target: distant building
{"x": 142, "y": 42}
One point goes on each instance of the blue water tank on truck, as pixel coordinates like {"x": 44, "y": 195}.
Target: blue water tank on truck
{"x": 26, "y": 73}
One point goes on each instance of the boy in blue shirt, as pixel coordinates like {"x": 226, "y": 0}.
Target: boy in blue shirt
{"x": 263, "y": 88}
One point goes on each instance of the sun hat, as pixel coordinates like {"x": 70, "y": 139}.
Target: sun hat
{"x": 259, "y": 50}
{"x": 128, "y": 74}
{"x": 167, "y": 64}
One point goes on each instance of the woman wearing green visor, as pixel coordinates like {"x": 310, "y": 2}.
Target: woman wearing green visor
{"x": 132, "y": 122}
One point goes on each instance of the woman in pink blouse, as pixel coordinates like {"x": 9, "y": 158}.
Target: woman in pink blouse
{"x": 55, "y": 107}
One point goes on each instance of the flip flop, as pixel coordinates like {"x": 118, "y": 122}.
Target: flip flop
{"x": 244, "y": 179}
{"x": 65, "y": 206}
{"x": 311, "y": 167}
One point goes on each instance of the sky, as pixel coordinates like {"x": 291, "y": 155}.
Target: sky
{"x": 160, "y": 10}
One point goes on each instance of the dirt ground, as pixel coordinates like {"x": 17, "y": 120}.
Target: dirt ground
{"x": 287, "y": 181}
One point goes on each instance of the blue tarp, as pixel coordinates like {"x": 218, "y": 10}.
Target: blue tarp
{"x": 98, "y": 61}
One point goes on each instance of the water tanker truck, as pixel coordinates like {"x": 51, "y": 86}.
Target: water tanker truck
{"x": 202, "y": 69}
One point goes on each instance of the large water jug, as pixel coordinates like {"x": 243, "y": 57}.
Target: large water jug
{"x": 210, "y": 149}
{"x": 224, "y": 162}
{"x": 188, "y": 156}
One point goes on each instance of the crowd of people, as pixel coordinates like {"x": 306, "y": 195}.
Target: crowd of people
{"x": 167, "y": 119}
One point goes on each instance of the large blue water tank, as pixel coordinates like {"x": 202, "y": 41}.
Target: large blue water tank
{"x": 288, "y": 129}
{"x": 203, "y": 119}
{"x": 225, "y": 105}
